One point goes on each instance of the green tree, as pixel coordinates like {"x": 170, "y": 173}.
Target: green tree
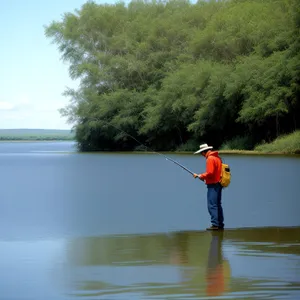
{"x": 173, "y": 73}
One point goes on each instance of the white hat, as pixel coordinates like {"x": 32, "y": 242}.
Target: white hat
{"x": 203, "y": 147}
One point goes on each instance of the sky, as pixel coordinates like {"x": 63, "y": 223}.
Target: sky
{"x": 33, "y": 76}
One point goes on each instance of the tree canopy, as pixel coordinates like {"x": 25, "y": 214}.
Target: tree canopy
{"x": 174, "y": 73}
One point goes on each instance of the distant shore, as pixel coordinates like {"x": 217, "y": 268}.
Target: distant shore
{"x": 35, "y": 135}
{"x": 34, "y": 141}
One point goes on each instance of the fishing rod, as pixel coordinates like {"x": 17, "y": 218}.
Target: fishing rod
{"x": 166, "y": 157}
{"x": 180, "y": 165}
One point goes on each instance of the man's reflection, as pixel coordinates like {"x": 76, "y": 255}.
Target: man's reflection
{"x": 218, "y": 272}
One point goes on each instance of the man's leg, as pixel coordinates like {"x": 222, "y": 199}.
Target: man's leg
{"x": 212, "y": 204}
{"x": 220, "y": 209}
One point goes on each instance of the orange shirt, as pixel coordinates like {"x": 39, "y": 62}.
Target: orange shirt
{"x": 213, "y": 168}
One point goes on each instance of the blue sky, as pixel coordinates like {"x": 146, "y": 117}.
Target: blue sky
{"x": 32, "y": 77}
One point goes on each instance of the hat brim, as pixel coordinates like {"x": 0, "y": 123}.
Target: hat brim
{"x": 201, "y": 150}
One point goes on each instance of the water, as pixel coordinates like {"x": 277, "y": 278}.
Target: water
{"x": 132, "y": 226}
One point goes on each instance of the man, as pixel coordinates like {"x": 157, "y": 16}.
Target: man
{"x": 212, "y": 177}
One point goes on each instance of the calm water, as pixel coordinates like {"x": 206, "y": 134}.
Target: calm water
{"x": 132, "y": 226}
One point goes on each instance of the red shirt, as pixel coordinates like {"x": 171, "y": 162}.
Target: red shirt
{"x": 213, "y": 168}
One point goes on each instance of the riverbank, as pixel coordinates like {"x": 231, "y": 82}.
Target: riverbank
{"x": 254, "y": 152}
{"x": 289, "y": 143}
{"x": 283, "y": 145}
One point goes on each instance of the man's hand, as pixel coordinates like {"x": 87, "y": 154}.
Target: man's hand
{"x": 198, "y": 176}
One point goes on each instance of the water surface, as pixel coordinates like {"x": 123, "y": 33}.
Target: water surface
{"x": 128, "y": 226}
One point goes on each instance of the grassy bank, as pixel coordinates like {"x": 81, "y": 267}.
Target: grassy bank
{"x": 285, "y": 144}
{"x": 289, "y": 143}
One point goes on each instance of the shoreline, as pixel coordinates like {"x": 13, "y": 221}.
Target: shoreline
{"x": 250, "y": 152}
{"x": 190, "y": 153}
{"x": 255, "y": 152}
{"x": 221, "y": 152}
{"x": 34, "y": 141}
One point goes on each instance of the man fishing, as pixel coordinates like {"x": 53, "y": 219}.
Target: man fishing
{"x": 212, "y": 177}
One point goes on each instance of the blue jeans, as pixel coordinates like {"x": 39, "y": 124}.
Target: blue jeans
{"x": 214, "y": 204}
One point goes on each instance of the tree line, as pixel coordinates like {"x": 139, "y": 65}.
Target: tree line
{"x": 174, "y": 74}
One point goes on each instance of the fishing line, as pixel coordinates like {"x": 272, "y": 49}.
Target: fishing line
{"x": 166, "y": 157}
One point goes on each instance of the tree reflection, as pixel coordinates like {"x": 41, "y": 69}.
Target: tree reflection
{"x": 191, "y": 263}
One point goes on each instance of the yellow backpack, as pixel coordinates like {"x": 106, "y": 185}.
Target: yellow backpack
{"x": 225, "y": 175}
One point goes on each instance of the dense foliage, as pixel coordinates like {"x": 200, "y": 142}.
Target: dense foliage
{"x": 174, "y": 74}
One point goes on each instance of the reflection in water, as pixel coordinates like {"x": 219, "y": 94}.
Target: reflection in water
{"x": 217, "y": 274}
{"x": 187, "y": 264}
{"x": 260, "y": 263}
{"x": 218, "y": 271}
